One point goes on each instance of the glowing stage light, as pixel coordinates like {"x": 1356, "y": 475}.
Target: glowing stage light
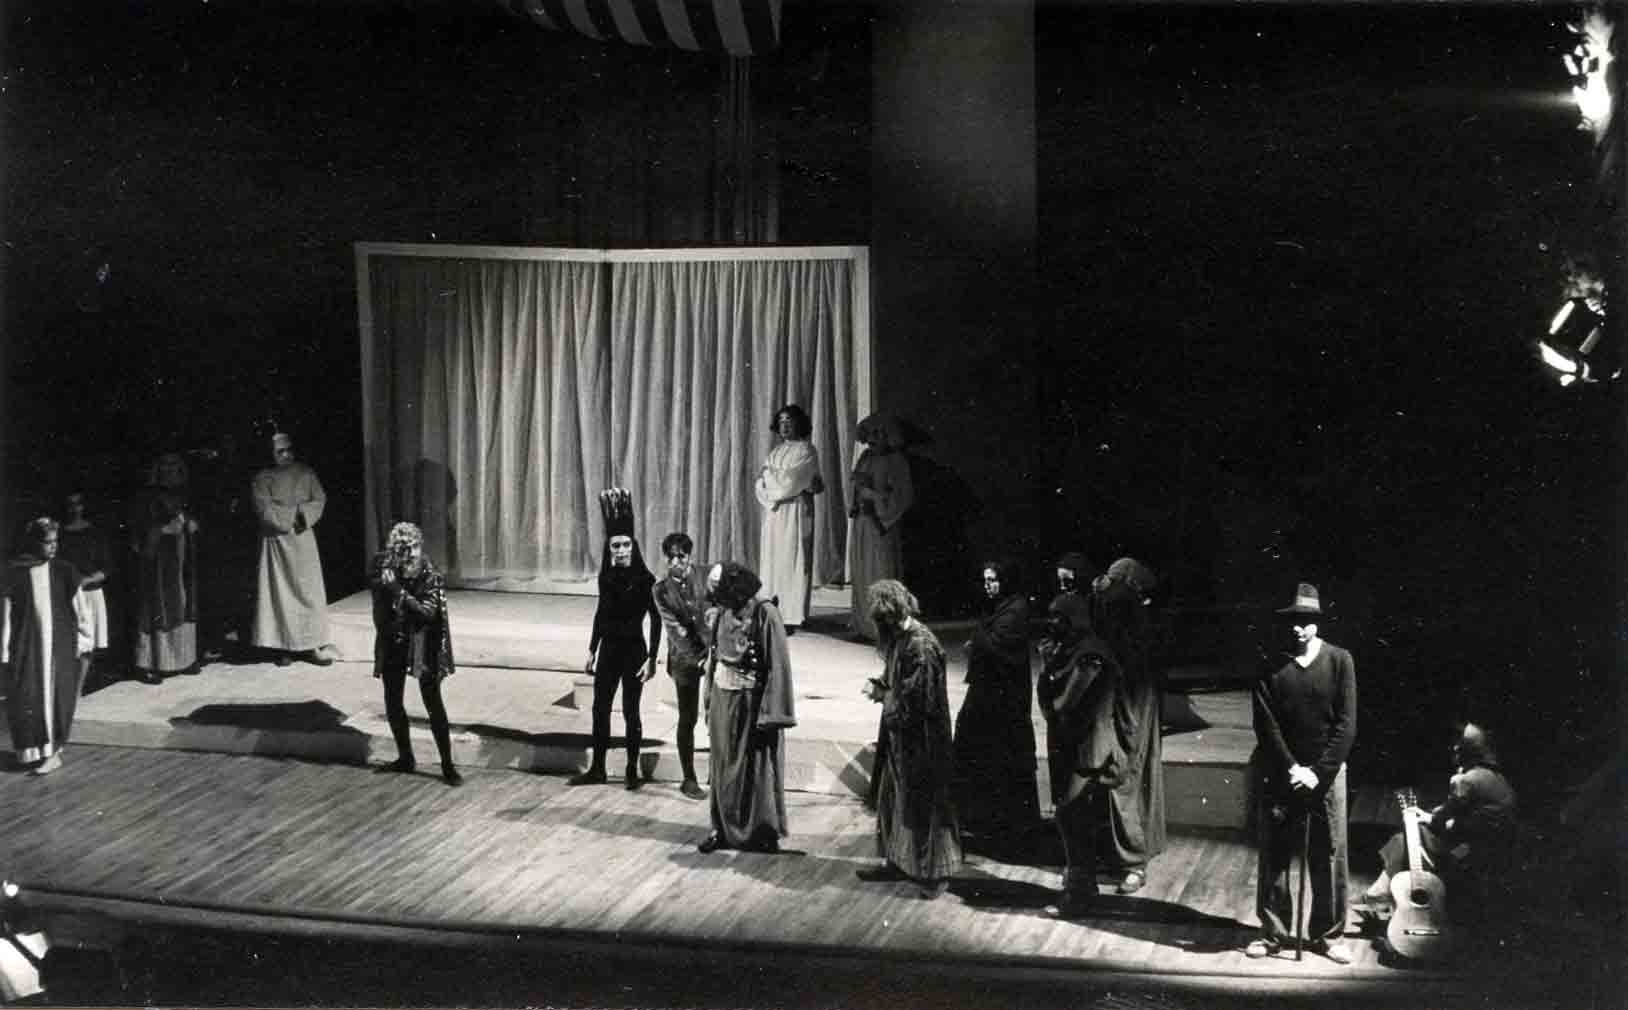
{"x": 1572, "y": 347}
{"x": 1589, "y": 64}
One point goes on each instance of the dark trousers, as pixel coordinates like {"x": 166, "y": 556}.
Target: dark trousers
{"x": 618, "y": 663}
{"x": 1282, "y": 827}
{"x": 1079, "y": 823}
{"x": 395, "y": 682}
{"x": 689, "y": 710}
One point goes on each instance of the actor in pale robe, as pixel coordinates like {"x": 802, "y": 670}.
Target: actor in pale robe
{"x": 785, "y": 488}
{"x": 883, "y": 493}
{"x": 291, "y": 600}
{"x": 45, "y": 629}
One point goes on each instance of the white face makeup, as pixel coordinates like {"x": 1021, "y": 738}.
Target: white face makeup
{"x": 621, "y": 551}
{"x": 992, "y": 583}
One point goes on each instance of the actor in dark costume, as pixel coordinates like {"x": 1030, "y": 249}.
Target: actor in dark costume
{"x": 1074, "y": 576}
{"x": 681, "y": 600}
{"x": 996, "y": 794}
{"x": 617, "y": 654}
{"x": 1078, "y": 687}
{"x": 916, "y": 831}
{"x": 85, "y": 545}
{"x": 412, "y": 638}
{"x": 1136, "y": 825}
{"x": 1305, "y": 723}
{"x": 45, "y": 629}
{"x": 1469, "y": 838}
{"x": 749, "y": 708}
{"x": 164, "y": 537}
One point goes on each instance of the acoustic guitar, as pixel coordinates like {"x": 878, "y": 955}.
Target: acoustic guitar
{"x": 1418, "y": 928}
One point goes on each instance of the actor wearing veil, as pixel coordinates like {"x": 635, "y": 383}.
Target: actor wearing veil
{"x": 749, "y": 708}
{"x": 883, "y": 493}
{"x": 996, "y": 795}
{"x": 45, "y": 629}
{"x": 916, "y": 831}
{"x": 786, "y": 486}
{"x": 1136, "y": 825}
{"x": 617, "y": 653}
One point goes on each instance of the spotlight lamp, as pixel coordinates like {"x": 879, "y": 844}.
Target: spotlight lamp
{"x": 1572, "y": 348}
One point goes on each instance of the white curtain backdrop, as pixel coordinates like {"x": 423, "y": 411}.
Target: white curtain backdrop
{"x": 504, "y": 390}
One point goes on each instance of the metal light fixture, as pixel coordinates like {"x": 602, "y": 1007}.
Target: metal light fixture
{"x": 1572, "y": 347}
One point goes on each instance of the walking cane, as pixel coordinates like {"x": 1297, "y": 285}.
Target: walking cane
{"x": 1302, "y": 921}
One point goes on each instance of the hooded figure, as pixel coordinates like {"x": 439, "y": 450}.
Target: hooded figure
{"x": 883, "y": 493}
{"x": 617, "y": 652}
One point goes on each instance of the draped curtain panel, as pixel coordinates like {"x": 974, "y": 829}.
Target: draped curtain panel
{"x": 503, "y": 391}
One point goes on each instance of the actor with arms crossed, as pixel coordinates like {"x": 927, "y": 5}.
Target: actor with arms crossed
{"x": 1305, "y": 723}
{"x": 916, "y": 831}
{"x": 617, "y": 654}
{"x": 681, "y": 600}
{"x": 45, "y": 633}
{"x": 412, "y": 638}
{"x": 786, "y": 486}
{"x": 291, "y": 599}
{"x": 749, "y": 708}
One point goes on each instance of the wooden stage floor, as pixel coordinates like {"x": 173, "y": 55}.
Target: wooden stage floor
{"x": 123, "y": 840}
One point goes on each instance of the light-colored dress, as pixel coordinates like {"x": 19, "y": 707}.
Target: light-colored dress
{"x": 291, "y": 600}
{"x": 786, "y": 543}
{"x": 883, "y": 493}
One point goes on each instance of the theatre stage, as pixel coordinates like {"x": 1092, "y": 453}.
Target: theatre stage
{"x": 520, "y": 701}
{"x": 140, "y": 833}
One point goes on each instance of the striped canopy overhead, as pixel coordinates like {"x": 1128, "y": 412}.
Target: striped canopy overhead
{"x": 738, "y": 27}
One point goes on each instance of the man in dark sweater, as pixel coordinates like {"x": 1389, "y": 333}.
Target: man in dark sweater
{"x": 1305, "y": 722}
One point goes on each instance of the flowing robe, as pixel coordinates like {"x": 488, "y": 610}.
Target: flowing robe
{"x": 749, "y": 707}
{"x": 44, "y": 628}
{"x": 785, "y": 488}
{"x": 166, "y": 585}
{"x": 1136, "y": 824}
{"x": 916, "y": 829}
{"x": 883, "y": 493}
{"x": 291, "y": 600}
{"x": 996, "y": 788}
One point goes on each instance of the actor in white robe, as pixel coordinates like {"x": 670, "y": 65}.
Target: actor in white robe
{"x": 786, "y": 487}
{"x": 45, "y": 635}
{"x": 291, "y": 600}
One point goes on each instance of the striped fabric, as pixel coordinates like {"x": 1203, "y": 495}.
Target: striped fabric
{"x": 739, "y": 27}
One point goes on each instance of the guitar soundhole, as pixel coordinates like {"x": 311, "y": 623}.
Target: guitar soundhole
{"x": 1420, "y": 896}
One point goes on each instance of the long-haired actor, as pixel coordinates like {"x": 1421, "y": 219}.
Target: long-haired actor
{"x": 412, "y": 638}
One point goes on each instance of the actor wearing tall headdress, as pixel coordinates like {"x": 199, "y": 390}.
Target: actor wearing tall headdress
{"x": 1077, "y": 688}
{"x": 749, "y": 708}
{"x": 1305, "y": 724}
{"x": 291, "y": 599}
{"x": 412, "y": 638}
{"x": 1136, "y": 826}
{"x": 681, "y": 600}
{"x": 786, "y": 486}
{"x": 996, "y": 792}
{"x": 882, "y": 495}
{"x": 916, "y": 831}
{"x": 617, "y": 653}
{"x": 45, "y": 629}
{"x": 164, "y": 538}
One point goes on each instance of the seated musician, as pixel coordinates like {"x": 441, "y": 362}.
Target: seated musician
{"x": 1460, "y": 836}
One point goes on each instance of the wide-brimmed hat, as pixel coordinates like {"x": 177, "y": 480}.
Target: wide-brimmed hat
{"x": 1305, "y": 601}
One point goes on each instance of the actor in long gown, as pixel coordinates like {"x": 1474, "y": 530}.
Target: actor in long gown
{"x": 1077, "y": 687}
{"x": 883, "y": 493}
{"x": 917, "y": 835}
{"x": 412, "y": 638}
{"x": 44, "y": 630}
{"x": 996, "y": 794}
{"x": 291, "y": 598}
{"x": 786, "y": 486}
{"x": 1136, "y": 816}
{"x": 749, "y": 708}
{"x": 85, "y": 545}
{"x": 165, "y": 541}
{"x": 617, "y": 654}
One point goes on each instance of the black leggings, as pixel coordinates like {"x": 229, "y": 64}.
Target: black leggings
{"x": 429, "y": 688}
{"x": 689, "y": 709}
{"x": 618, "y": 663}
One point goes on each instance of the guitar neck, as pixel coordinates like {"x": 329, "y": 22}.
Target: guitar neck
{"x": 1410, "y": 831}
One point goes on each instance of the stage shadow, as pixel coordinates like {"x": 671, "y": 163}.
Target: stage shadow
{"x": 282, "y": 716}
{"x": 507, "y": 734}
{"x": 795, "y": 870}
{"x": 1038, "y": 845}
